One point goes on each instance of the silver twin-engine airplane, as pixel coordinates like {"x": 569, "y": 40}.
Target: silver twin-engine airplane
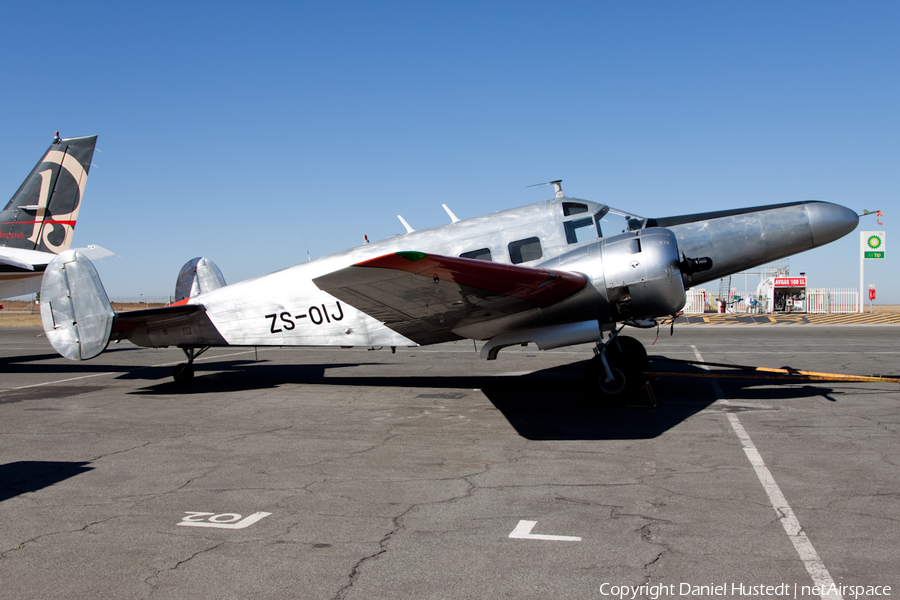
{"x": 556, "y": 273}
{"x": 38, "y": 222}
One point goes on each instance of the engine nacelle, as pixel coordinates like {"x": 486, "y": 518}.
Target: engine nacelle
{"x": 641, "y": 274}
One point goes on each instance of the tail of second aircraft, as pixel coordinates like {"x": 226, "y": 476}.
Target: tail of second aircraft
{"x": 41, "y": 215}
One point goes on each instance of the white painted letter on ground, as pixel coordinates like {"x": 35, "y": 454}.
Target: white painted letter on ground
{"x": 221, "y": 521}
{"x": 523, "y": 532}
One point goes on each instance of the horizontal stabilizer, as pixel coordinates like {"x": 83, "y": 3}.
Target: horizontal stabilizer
{"x": 95, "y": 252}
{"x": 183, "y": 325}
{"x": 18, "y": 261}
{"x": 425, "y": 297}
{"x": 75, "y": 310}
{"x": 166, "y": 316}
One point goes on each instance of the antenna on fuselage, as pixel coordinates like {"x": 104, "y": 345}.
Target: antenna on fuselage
{"x": 557, "y": 185}
{"x": 405, "y": 224}
{"x": 453, "y": 218}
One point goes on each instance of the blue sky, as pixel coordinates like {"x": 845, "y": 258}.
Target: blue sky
{"x": 253, "y": 135}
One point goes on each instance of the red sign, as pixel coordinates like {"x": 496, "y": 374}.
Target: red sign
{"x": 790, "y": 282}
{"x": 871, "y": 293}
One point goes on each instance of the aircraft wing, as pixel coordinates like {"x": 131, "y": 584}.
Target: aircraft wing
{"x": 425, "y": 297}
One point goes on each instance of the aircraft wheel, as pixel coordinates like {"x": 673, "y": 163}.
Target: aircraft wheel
{"x": 633, "y": 359}
{"x": 616, "y": 386}
{"x": 183, "y": 373}
{"x": 627, "y": 371}
{"x": 595, "y": 379}
{"x": 632, "y": 349}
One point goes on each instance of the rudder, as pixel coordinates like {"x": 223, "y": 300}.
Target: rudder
{"x": 75, "y": 310}
{"x": 197, "y": 276}
{"x": 41, "y": 214}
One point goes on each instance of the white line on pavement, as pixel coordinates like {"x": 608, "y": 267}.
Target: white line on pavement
{"x": 814, "y": 565}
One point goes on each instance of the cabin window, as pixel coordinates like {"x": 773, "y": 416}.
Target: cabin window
{"x": 580, "y": 230}
{"x": 573, "y": 208}
{"x": 525, "y": 250}
{"x": 480, "y": 254}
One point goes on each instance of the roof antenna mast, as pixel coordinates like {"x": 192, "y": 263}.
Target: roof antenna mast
{"x": 557, "y": 185}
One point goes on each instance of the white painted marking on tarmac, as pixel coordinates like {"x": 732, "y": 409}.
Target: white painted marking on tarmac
{"x": 523, "y": 532}
{"x": 23, "y": 387}
{"x": 221, "y": 521}
{"x": 814, "y": 565}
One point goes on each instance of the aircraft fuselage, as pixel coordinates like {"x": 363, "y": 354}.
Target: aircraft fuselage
{"x": 634, "y": 267}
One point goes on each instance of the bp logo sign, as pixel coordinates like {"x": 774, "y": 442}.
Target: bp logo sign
{"x": 872, "y": 244}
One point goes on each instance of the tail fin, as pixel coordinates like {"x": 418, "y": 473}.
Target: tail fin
{"x": 197, "y": 276}
{"x": 42, "y": 213}
{"x": 75, "y": 310}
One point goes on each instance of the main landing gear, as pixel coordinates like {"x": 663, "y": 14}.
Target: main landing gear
{"x": 184, "y": 372}
{"x": 619, "y": 369}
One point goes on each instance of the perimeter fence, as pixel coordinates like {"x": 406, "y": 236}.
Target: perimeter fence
{"x": 818, "y": 301}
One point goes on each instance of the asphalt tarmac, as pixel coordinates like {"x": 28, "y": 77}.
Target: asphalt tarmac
{"x": 355, "y": 474}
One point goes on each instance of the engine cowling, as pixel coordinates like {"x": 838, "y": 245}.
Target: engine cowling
{"x": 641, "y": 274}
{"x": 633, "y": 276}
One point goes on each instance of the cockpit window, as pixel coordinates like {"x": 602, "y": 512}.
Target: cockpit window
{"x": 610, "y": 223}
{"x": 597, "y": 217}
{"x": 525, "y": 250}
{"x": 480, "y": 254}
{"x": 573, "y": 208}
{"x": 580, "y": 230}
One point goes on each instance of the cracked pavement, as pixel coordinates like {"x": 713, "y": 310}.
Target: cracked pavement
{"x": 402, "y": 475}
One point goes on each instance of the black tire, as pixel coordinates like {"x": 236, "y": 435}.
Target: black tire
{"x": 628, "y": 363}
{"x": 631, "y": 348}
{"x": 633, "y": 360}
{"x": 596, "y": 386}
{"x": 615, "y": 387}
{"x": 183, "y": 373}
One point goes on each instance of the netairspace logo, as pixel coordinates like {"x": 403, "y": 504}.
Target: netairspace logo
{"x": 783, "y": 590}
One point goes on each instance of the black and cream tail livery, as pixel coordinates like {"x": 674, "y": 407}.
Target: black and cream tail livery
{"x": 38, "y": 222}
{"x": 556, "y": 273}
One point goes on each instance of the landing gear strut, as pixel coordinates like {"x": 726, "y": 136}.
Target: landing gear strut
{"x": 618, "y": 369}
{"x": 184, "y": 372}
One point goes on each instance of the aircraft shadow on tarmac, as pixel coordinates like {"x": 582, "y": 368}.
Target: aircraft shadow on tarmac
{"x": 30, "y": 476}
{"x": 33, "y": 363}
{"x": 550, "y": 404}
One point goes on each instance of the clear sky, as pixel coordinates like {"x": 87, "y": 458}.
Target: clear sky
{"x": 255, "y": 133}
